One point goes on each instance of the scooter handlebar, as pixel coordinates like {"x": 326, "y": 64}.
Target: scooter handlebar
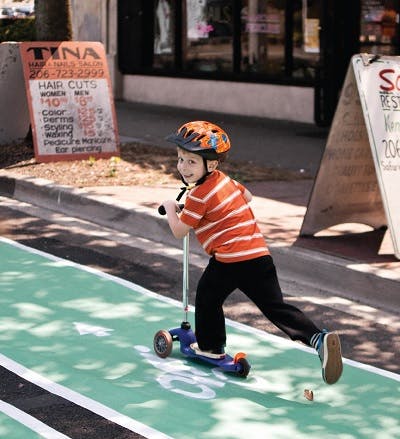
{"x": 161, "y": 209}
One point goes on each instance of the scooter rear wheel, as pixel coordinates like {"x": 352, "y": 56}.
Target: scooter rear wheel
{"x": 162, "y": 343}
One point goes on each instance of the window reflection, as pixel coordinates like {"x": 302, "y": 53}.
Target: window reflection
{"x": 306, "y": 42}
{"x": 379, "y": 23}
{"x": 163, "y": 34}
{"x": 276, "y": 39}
{"x": 208, "y": 45}
{"x": 207, "y": 37}
{"x": 263, "y": 36}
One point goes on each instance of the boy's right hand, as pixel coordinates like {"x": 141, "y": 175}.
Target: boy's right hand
{"x": 170, "y": 206}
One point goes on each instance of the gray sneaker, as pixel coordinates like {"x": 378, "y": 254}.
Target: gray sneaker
{"x": 330, "y": 354}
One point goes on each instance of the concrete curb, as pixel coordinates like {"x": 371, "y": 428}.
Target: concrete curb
{"x": 122, "y": 216}
{"x": 341, "y": 277}
{"x": 358, "y": 282}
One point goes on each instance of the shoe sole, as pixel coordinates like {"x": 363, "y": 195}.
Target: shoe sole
{"x": 206, "y": 354}
{"x": 333, "y": 367}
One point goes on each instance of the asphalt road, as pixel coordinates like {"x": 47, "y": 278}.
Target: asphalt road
{"x": 368, "y": 335}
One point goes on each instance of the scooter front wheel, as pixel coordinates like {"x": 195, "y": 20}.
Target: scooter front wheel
{"x": 245, "y": 367}
{"x": 162, "y": 343}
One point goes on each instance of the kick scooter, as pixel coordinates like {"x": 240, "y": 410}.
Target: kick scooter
{"x": 163, "y": 339}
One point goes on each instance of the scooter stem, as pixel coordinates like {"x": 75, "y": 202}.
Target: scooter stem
{"x": 185, "y": 285}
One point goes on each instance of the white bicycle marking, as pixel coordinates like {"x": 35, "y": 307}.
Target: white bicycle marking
{"x": 98, "y": 331}
{"x": 196, "y": 383}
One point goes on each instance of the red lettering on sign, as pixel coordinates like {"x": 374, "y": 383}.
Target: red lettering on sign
{"x": 382, "y": 75}
{"x": 393, "y": 82}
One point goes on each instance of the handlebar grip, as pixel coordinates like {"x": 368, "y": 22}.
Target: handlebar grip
{"x": 161, "y": 209}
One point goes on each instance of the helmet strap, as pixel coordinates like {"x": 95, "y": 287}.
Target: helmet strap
{"x": 198, "y": 182}
{"x": 187, "y": 187}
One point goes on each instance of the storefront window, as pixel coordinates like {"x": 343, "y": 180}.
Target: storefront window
{"x": 260, "y": 40}
{"x": 263, "y": 36}
{"x": 163, "y": 34}
{"x": 208, "y": 36}
{"x": 379, "y": 27}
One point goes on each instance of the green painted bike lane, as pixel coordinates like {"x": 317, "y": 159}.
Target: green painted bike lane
{"x": 14, "y": 429}
{"x": 93, "y": 334}
{"x": 19, "y": 425}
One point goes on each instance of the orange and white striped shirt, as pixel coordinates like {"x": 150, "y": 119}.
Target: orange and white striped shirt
{"x": 223, "y": 221}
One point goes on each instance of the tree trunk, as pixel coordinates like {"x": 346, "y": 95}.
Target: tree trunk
{"x": 53, "y": 23}
{"x": 53, "y": 20}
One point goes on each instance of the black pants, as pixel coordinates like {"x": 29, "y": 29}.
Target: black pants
{"x": 257, "y": 279}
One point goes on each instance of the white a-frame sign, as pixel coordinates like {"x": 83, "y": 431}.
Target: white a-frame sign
{"x": 359, "y": 177}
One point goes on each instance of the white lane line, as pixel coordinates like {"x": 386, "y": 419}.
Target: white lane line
{"x": 29, "y": 421}
{"x": 83, "y": 401}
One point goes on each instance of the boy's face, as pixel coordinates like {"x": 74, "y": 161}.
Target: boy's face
{"x": 190, "y": 166}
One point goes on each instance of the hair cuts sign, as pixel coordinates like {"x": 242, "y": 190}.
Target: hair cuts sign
{"x": 70, "y": 100}
{"x": 359, "y": 176}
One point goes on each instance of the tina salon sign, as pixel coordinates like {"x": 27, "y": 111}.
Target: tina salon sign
{"x": 70, "y": 100}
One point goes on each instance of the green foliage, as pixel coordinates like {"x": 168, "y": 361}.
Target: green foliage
{"x": 17, "y": 30}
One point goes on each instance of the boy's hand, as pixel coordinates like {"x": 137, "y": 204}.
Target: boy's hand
{"x": 171, "y": 206}
{"x": 178, "y": 228}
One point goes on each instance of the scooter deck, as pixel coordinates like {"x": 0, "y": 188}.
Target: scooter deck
{"x": 226, "y": 362}
{"x": 229, "y": 364}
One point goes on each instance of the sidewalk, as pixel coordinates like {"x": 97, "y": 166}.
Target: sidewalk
{"x": 275, "y": 143}
{"x": 345, "y": 265}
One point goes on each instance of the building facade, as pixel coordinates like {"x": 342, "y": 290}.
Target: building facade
{"x": 282, "y": 59}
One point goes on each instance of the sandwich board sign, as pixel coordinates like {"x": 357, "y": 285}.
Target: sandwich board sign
{"x": 70, "y": 100}
{"x": 359, "y": 177}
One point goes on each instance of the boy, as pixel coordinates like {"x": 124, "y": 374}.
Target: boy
{"x": 217, "y": 209}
